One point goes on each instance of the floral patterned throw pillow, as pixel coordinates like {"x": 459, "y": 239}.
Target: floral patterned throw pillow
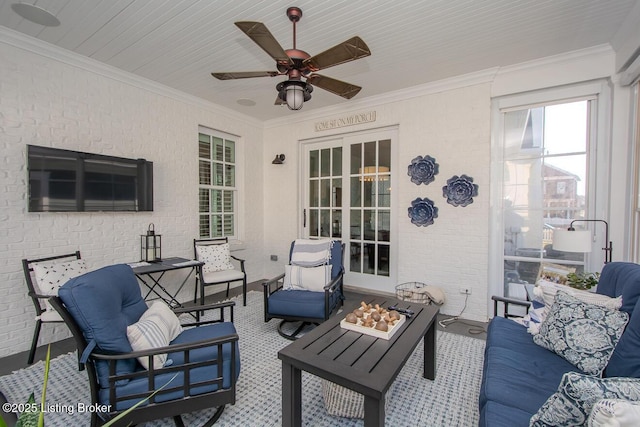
{"x": 576, "y": 396}
{"x": 583, "y": 334}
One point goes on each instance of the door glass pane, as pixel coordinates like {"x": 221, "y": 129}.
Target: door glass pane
{"x": 384, "y": 225}
{"x": 369, "y": 195}
{"x": 314, "y": 194}
{"x": 384, "y": 191}
{"x": 337, "y": 192}
{"x": 336, "y": 169}
{"x": 356, "y": 191}
{"x": 370, "y": 156}
{"x": 325, "y": 192}
{"x": 336, "y": 224}
{"x": 384, "y": 155}
{"x": 356, "y": 159}
{"x": 355, "y": 263}
{"x": 325, "y": 221}
{"x": 325, "y": 162}
{"x": 313, "y": 222}
{"x": 314, "y": 163}
{"x": 356, "y": 225}
{"x": 544, "y": 187}
{"x": 369, "y": 258}
{"x": 383, "y": 260}
{"x": 369, "y": 225}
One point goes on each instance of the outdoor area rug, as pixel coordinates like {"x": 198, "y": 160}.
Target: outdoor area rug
{"x": 450, "y": 400}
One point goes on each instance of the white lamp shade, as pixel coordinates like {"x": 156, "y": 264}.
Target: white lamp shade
{"x": 295, "y": 97}
{"x": 572, "y": 241}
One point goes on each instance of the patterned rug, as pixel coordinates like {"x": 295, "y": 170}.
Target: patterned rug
{"x": 450, "y": 400}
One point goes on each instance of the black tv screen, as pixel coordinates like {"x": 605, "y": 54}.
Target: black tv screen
{"x": 73, "y": 181}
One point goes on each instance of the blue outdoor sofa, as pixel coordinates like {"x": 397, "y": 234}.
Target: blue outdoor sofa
{"x": 519, "y": 376}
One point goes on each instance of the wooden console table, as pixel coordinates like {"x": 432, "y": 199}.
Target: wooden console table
{"x": 360, "y": 362}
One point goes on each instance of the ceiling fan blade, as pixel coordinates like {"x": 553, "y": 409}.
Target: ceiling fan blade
{"x": 244, "y": 75}
{"x": 259, "y": 33}
{"x": 350, "y": 50}
{"x": 340, "y": 88}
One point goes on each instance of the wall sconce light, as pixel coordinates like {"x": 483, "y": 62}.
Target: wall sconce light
{"x": 150, "y": 245}
{"x": 278, "y": 160}
{"x": 572, "y": 240}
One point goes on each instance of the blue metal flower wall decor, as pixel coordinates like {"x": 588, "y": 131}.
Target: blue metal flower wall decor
{"x": 422, "y": 212}
{"x": 460, "y": 190}
{"x": 423, "y": 170}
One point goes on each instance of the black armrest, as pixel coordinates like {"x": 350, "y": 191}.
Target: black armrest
{"x": 332, "y": 285}
{"x": 275, "y": 281}
{"x": 240, "y": 260}
{"x": 506, "y": 301}
{"x": 220, "y": 306}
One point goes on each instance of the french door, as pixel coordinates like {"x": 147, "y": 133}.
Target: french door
{"x": 347, "y": 196}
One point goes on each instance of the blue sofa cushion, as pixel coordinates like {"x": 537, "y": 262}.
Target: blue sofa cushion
{"x": 625, "y": 360}
{"x": 203, "y": 373}
{"x": 297, "y": 303}
{"x": 495, "y": 414}
{"x": 517, "y": 372}
{"x": 621, "y": 278}
{"x": 103, "y": 303}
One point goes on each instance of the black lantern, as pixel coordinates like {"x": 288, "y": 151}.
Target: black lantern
{"x": 150, "y": 245}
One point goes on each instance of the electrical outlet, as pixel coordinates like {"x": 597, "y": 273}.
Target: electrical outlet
{"x": 274, "y": 257}
{"x": 465, "y": 291}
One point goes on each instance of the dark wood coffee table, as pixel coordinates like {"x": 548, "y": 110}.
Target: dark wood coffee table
{"x": 360, "y": 362}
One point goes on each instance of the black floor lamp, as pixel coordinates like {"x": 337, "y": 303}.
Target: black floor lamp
{"x": 572, "y": 240}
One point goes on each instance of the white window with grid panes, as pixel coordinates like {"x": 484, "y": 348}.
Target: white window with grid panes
{"x": 218, "y": 192}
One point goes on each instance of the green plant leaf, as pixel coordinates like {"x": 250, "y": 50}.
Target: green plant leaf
{"x": 123, "y": 414}
{"x": 29, "y": 418}
{"x": 44, "y": 386}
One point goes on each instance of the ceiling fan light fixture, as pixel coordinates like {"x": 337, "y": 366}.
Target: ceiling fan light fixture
{"x": 295, "y": 93}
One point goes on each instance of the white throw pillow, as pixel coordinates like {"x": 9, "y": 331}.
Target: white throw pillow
{"x": 50, "y": 276}
{"x": 157, "y": 327}
{"x": 215, "y": 257}
{"x": 614, "y": 413}
{"x": 306, "y": 278}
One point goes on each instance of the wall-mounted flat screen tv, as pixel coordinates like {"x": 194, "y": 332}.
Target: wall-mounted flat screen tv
{"x": 73, "y": 181}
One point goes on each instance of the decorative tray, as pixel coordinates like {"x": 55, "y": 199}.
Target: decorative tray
{"x": 392, "y": 319}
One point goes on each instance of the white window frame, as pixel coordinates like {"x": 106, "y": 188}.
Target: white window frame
{"x": 234, "y": 189}
{"x": 597, "y": 169}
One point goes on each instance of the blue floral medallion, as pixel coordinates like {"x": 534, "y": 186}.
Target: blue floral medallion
{"x": 460, "y": 190}
{"x": 423, "y": 170}
{"x": 422, "y": 212}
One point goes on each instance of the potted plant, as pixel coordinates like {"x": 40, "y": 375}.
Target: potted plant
{"x": 583, "y": 281}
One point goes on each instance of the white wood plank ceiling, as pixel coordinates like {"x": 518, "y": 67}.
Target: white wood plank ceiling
{"x": 178, "y": 43}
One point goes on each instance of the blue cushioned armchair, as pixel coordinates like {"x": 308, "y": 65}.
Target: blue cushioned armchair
{"x": 98, "y": 307}
{"x": 305, "y": 306}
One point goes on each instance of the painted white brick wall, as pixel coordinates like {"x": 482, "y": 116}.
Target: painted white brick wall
{"x": 50, "y": 103}
{"x": 453, "y": 127}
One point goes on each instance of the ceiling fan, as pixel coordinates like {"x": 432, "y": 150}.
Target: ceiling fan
{"x": 297, "y": 64}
